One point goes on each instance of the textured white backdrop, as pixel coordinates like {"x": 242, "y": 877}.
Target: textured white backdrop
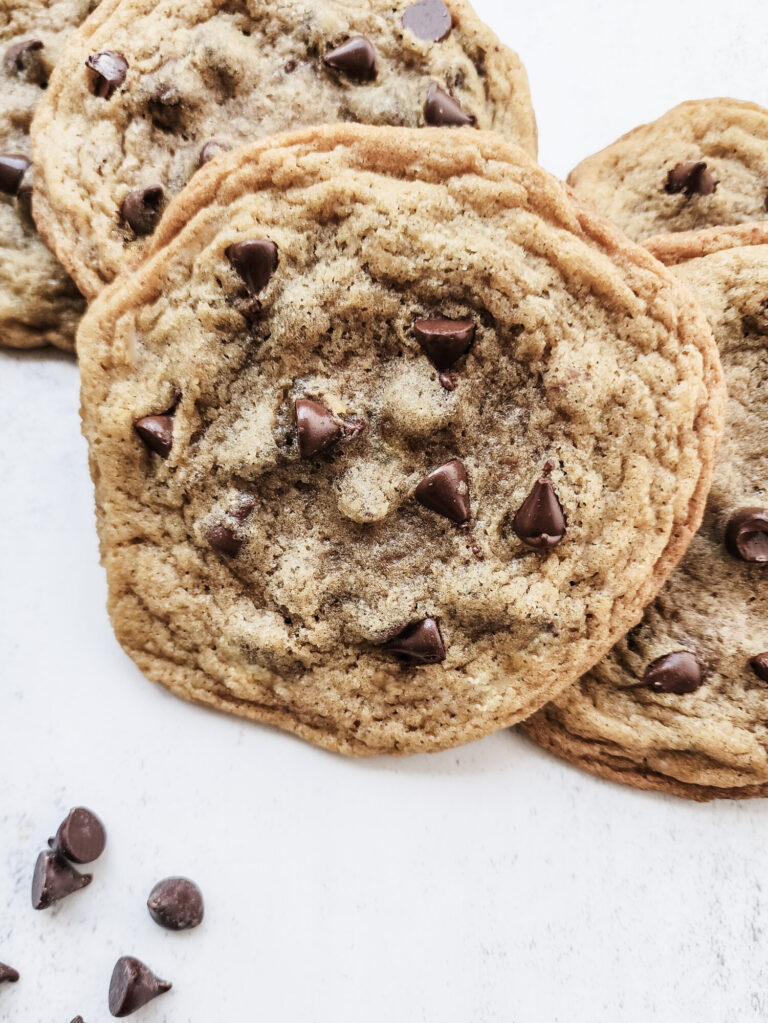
{"x": 487, "y": 884}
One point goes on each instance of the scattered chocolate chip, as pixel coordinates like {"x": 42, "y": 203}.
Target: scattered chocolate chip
{"x": 429, "y": 20}
{"x": 8, "y": 975}
{"x": 440, "y": 110}
{"x": 176, "y": 904}
{"x": 419, "y": 643}
{"x": 16, "y": 56}
{"x": 77, "y": 1019}
{"x": 157, "y": 433}
{"x": 540, "y": 522}
{"x": 108, "y": 72}
{"x": 211, "y": 149}
{"x": 446, "y": 491}
{"x": 746, "y": 535}
{"x": 132, "y": 986}
{"x": 142, "y": 208}
{"x": 447, "y": 381}
{"x": 317, "y": 427}
{"x": 81, "y": 836}
{"x": 356, "y": 59}
{"x": 255, "y": 261}
{"x": 692, "y": 179}
{"x": 54, "y": 879}
{"x": 444, "y": 341}
{"x": 12, "y": 170}
{"x": 759, "y": 665}
{"x": 678, "y": 673}
{"x": 223, "y": 540}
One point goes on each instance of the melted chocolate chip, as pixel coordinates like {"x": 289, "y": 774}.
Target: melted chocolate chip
{"x": 176, "y": 904}
{"x": 419, "y": 643}
{"x": 12, "y": 171}
{"x": 446, "y": 491}
{"x": 678, "y": 673}
{"x": 108, "y": 71}
{"x": 692, "y": 179}
{"x": 81, "y": 836}
{"x": 444, "y": 341}
{"x": 211, "y": 149}
{"x": 157, "y": 433}
{"x": 746, "y": 535}
{"x": 142, "y": 208}
{"x": 540, "y": 522}
{"x": 132, "y": 986}
{"x": 255, "y": 261}
{"x": 17, "y": 56}
{"x": 356, "y": 59}
{"x": 223, "y": 540}
{"x": 317, "y": 427}
{"x": 54, "y": 879}
{"x": 759, "y": 665}
{"x": 429, "y": 20}
{"x": 8, "y": 975}
{"x": 440, "y": 110}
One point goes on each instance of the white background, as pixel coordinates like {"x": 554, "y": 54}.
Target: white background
{"x": 487, "y": 884}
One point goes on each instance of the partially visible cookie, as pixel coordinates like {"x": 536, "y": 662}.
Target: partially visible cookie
{"x": 162, "y": 87}
{"x": 703, "y": 164}
{"x": 681, "y": 704}
{"x": 391, "y": 438}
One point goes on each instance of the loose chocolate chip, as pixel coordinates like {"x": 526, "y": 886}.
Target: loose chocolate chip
{"x": 419, "y": 643}
{"x": 142, "y": 208}
{"x": 176, "y": 904}
{"x": 108, "y": 72}
{"x": 211, "y": 149}
{"x": 356, "y": 59}
{"x": 540, "y": 522}
{"x": 223, "y": 540}
{"x": 8, "y": 975}
{"x": 54, "y": 879}
{"x": 446, "y": 491}
{"x": 746, "y": 535}
{"x": 317, "y": 427}
{"x": 678, "y": 673}
{"x": 16, "y": 56}
{"x": 444, "y": 341}
{"x": 157, "y": 433}
{"x": 429, "y": 20}
{"x": 692, "y": 179}
{"x": 255, "y": 261}
{"x": 132, "y": 986}
{"x": 81, "y": 836}
{"x": 440, "y": 110}
{"x": 77, "y": 1019}
{"x": 12, "y": 170}
{"x": 759, "y": 665}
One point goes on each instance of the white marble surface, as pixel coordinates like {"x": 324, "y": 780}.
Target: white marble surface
{"x": 487, "y": 884}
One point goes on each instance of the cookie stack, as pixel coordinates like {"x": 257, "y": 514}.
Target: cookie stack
{"x": 394, "y": 436}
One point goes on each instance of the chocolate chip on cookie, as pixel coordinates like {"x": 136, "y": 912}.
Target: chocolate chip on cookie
{"x": 157, "y": 433}
{"x": 678, "y": 673}
{"x": 429, "y": 20}
{"x": 746, "y": 535}
{"x": 317, "y": 427}
{"x": 12, "y": 171}
{"x": 419, "y": 643}
{"x": 81, "y": 837}
{"x": 255, "y": 261}
{"x": 211, "y": 149}
{"x": 55, "y": 879}
{"x": 8, "y": 975}
{"x": 17, "y": 57}
{"x": 446, "y": 491}
{"x": 444, "y": 341}
{"x": 176, "y": 904}
{"x": 540, "y": 521}
{"x": 133, "y": 985}
{"x": 356, "y": 58}
{"x": 691, "y": 178}
{"x": 108, "y": 72}
{"x": 224, "y": 540}
{"x": 759, "y": 665}
{"x": 441, "y": 110}
{"x": 142, "y": 208}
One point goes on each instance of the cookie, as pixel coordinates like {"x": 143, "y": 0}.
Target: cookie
{"x": 162, "y": 86}
{"x": 704, "y": 164}
{"x": 681, "y": 704}
{"x": 390, "y": 438}
{"x": 39, "y": 304}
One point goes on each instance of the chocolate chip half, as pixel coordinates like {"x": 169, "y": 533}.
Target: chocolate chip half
{"x": 446, "y": 491}
{"x": 12, "y": 170}
{"x": 746, "y": 535}
{"x": 692, "y": 179}
{"x": 444, "y": 341}
{"x": 176, "y": 904}
{"x": 429, "y": 20}
{"x": 16, "y": 56}
{"x": 142, "y": 208}
{"x": 108, "y": 72}
{"x": 419, "y": 643}
{"x": 678, "y": 673}
{"x": 223, "y": 540}
{"x": 759, "y": 665}
{"x": 540, "y": 522}
{"x": 255, "y": 261}
{"x": 441, "y": 110}
{"x": 54, "y": 879}
{"x": 132, "y": 986}
{"x": 317, "y": 427}
{"x": 81, "y": 836}
{"x": 211, "y": 149}
{"x": 8, "y": 975}
{"x": 157, "y": 433}
{"x": 356, "y": 59}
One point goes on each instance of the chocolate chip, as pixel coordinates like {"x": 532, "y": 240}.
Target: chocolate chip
{"x": 12, "y": 170}
{"x": 317, "y": 427}
{"x": 540, "y": 522}
{"x": 108, "y": 72}
{"x": 142, "y": 208}
{"x": 444, "y": 341}
{"x": 759, "y": 665}
{"x": 429, "y": 20}
{"x": 157, "y": 433}
{"x": 223, "y": 540}
{"x": 54, "y": 879}
{"x": 176, "y": 904}
{"x": 77, "y": 1019}
{"x": 255, "y": 261}
{"x": 211, "y": 149}
{"x": 447, "y": 381}
{"x": 678, "y": 673}
{"x": 691, "y": 178}
{"x": 17, "y": 56}
{"x": 419, "y": 643}
{"x": 356, "y": 59}
{"x": 446, "y": 491}
{"x": 133, "y": 985}
{"x": 81, "y": 836}
{"x": 746, "y": 535}
{"x": 8, "y": 975}
{"x": 440, "y": 110}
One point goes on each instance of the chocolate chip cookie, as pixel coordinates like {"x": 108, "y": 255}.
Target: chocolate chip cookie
{"x": 681, "y": 704}
{"x": 162, "y": 87}
{"x": 391, "y": 439}
{"x": 703, "y": 164}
